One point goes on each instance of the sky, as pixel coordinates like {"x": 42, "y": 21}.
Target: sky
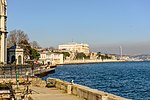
{"x": 103, "y": 24}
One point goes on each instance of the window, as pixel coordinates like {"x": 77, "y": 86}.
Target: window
{"x": 19, "y": 59}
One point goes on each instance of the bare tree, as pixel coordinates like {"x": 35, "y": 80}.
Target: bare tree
{"x": 51, "y": 48}
{"x": 16, "y": 36}
{"x": 34, "y": 44}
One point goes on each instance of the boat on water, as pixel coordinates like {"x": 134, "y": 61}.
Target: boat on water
{"x": 53, "y": 66}
{"x": 43, "y": 71}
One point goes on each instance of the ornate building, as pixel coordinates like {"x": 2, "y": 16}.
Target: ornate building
{"x": 15, "y": 55}
{"x": 75, "y": 47}
{"x": 3, "y": 32}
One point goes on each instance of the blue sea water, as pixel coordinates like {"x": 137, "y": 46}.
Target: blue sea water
{"x": 126, "y": 79}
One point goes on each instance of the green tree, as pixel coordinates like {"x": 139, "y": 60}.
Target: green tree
{"x": 98, "y": 55}
{"x": 80, "y": 56}
{"x": 26, "y": 47}
{"x": 34, "y": 54}
{"x": 102, "y": 57}
{"x": 107, "y": 57}
{"x": 66, "y": 54}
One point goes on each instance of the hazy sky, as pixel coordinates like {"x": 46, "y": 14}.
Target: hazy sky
{"x": 103, "y": 24}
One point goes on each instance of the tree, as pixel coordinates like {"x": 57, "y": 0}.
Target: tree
{"x": 51, "y": 48}
{"x": 102, "y": 57}
{"x": 66, "y": 54}
{"x": 107, "y": 56}
{"x": 26, "y": 47}
{"x": 34, "y": 54}
{"x": 34, "y": 44}
{"x": 16, "y": 36}
{"x": 98, "y": 55}
{"x": 80, "y": 56}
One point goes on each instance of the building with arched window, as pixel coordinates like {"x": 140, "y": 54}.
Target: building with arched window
{"x": 15, "y": 55}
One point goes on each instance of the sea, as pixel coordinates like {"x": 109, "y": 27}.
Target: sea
{"x": 126, "y": 79}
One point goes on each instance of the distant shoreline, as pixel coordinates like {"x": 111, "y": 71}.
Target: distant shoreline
{"x": 71, "y": 62}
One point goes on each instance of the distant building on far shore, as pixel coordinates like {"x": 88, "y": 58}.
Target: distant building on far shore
{"x": 75, "y": 47}
{"x": 51, "y": 58}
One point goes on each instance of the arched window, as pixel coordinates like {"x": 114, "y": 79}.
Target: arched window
{"x": 13, "y": 59}
{"x": 19, "y": 59}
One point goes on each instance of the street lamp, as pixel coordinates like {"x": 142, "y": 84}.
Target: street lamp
{"x": 27, "y": 75}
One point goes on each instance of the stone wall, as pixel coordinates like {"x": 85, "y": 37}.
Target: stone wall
{"x": 82, "y": 91}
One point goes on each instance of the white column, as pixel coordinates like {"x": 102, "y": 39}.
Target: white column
{"x": 3, "y": 31}
{"x": 3, "y": 48}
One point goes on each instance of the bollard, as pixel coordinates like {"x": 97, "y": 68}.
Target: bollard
{"x": 69, "y": 86}
{"x": 104, "y": 97}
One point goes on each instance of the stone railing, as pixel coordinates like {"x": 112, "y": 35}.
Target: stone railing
{"x": 82, "y": 91}
{"x": 59, "y": 84}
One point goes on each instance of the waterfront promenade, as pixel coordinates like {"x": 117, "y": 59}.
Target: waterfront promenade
{"x": 51, "y": 94}
{"x": 58, "y": 90}
{"x": 62, "y": 90}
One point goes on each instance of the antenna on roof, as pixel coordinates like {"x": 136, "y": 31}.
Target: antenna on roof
{"x": 121, "y": 52}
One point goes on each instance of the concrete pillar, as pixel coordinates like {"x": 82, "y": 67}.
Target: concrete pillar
{"x": 3, "y": 31}
{"x": 69, "y": 86}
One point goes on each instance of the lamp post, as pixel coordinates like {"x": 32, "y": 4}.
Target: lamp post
{"x": 27, "y": 75}
{"x": 17, "y": 81}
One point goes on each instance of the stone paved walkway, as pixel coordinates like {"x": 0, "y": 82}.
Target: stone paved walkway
{"x": 40, "y": 93}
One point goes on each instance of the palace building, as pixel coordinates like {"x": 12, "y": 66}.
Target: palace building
{"x": 75, "y": 47}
